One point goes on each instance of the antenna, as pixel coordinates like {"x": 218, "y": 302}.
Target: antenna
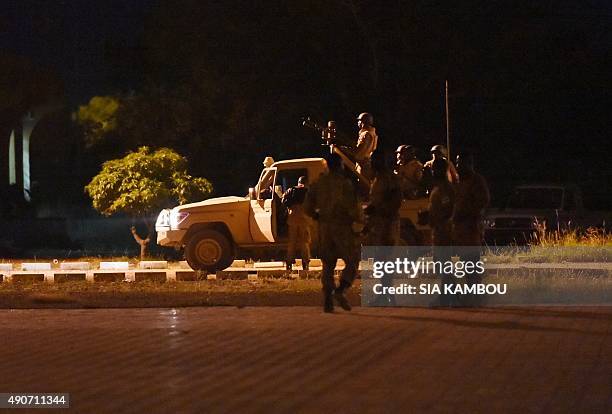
{"x": 448, "y": 147}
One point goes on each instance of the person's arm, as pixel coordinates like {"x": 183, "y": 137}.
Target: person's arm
{"x": 286, "y": 200}
{"x": 377, "y": 195}
{"x": 453, "y": 175}
{"x": 418, "y": 174}
{"x": 434, "y": 206}
{"x": 364, "y": 147}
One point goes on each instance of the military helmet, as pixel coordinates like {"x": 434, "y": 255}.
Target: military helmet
{"x": 366, "y": 118}
{"x": 404, "y": 149}
{"x": 439, "y": 149}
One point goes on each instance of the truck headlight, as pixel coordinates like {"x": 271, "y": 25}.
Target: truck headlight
{"x": 163, "y": 220}
{"x": 177, "y": 217}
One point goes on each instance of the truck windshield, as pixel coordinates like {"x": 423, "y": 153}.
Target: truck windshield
{"x": 536, "y": 198}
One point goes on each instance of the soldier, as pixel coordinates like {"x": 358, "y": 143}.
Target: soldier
{"x": 383, "y": 217}
{"x": 298, "y": 222}
{"x": 409, "y": 170}
{"x": 439, "y": 152}
{"x": 441, "y": 204}
{"x": 383, "y": 207}
{"x": 332, "y": 201}
{"x": 472, "y": 198}
{"x": 367, "y": 143}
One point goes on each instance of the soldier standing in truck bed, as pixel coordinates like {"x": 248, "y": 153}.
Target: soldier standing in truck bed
{"x": 333, "y": 202}
{"x": 409, "y": 170}
{"x": 298, "y": 222}
{"x": 367, "y": 142}
{"x": 440, "y": 152}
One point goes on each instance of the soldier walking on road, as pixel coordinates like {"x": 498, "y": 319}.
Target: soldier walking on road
{"x": 298, "y": 222}
{"x": 367, "y": 142}
{"x": 333, "y": 202}
{"x": 472, "y": 198}
{"x": 441, "y": 204}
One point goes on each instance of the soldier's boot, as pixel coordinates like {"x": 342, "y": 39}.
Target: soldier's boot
{"x": 328, "y": 303}
{"x": 339, "y": 295}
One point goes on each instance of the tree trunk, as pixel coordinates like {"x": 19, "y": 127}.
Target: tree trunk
{"x": 143, "y": 243}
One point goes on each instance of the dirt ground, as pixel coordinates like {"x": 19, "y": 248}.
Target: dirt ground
{"x": 266, "y": 292}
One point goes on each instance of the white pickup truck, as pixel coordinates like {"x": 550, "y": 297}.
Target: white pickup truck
{"x": 213, "y": 231}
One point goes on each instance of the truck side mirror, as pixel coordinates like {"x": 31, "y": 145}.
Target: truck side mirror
{"x": 252, "y": 194}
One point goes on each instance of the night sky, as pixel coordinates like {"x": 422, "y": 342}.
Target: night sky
{"x": 530, "y": 83}
{"x": 73, "y": 38}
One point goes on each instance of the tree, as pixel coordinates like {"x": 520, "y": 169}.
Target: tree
{"x": 98, "y": 118}
{"x": 142, "y": 183}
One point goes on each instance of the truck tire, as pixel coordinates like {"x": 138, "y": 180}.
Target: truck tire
{"x": 209, "y": 250}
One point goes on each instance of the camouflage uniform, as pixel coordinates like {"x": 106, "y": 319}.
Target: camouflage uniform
{"x": 472, "y": 197}
{"x": 410, "y": 175}
{"x": 452, "y": 175}
{"x": 299, "y": 225}
{"x": 333, "y": 202}
{"x": 383, "y": 224}
{"x": 366, "y": 145}
{"x": 441, "y": 203}
{"x": 383, "y": 211}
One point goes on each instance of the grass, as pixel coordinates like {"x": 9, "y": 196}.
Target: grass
{"x": 590, "y": 237}
{"x": 590, "y": 245}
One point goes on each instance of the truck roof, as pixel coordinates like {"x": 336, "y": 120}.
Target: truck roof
{"x": 297, "y": 160}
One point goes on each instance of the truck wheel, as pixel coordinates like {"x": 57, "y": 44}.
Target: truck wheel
{"x": 209, "y": 250}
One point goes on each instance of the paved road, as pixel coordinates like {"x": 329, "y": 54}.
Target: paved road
{"x": 298, "y": 359}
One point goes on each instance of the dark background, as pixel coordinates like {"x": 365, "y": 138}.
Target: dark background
{"x": 226, "y": 82}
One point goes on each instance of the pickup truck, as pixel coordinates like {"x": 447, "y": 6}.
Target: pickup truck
{"x": 536, "y": 206}
{"x": 213, "y": 231}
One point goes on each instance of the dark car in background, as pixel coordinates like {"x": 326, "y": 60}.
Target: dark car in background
{"x": 540, "y": 207}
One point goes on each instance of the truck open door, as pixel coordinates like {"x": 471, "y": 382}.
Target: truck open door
{"x": 262, "y": 217}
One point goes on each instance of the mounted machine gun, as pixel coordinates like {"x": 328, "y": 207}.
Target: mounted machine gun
{"x": 341, "y": 145}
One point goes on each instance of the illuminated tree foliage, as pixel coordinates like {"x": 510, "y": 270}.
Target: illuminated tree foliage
{"x": 142, "y": 183}
{"x": 99, "y": 117}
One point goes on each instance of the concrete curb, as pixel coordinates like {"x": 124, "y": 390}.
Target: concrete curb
{"x": 159, "y": 271}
